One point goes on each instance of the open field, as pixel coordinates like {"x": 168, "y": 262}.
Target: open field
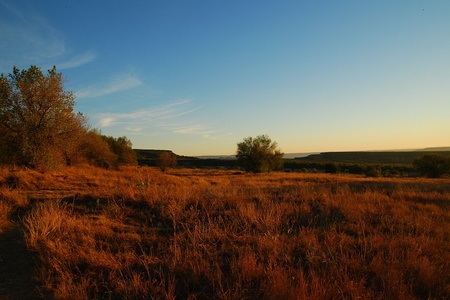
{"x": 138, "y": 233}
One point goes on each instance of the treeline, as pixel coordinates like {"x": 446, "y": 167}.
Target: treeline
{"x": 292, "y": 165}
{"x": 368, "y": 169}
{"x": 105, "y": 151}
{"x": 428, "y": 164}
{"x": 40, "y": 129}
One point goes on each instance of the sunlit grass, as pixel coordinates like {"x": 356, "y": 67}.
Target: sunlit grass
{"x": 138, "y": 233}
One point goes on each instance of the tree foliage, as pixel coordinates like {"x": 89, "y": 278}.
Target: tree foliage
{"x": 106, "y": 151}
{"x": 259, "y": 154}
{"x": 123, "y": 149}
{"x": 94, "y": 150}
{"x": 40, "y": 129}
{"x": 433, "y": 165}
{"x": 36, "y": 117}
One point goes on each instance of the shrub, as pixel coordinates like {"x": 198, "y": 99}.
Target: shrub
{"x": 372, "y": 171}
{"x": 432, "y": 165}
{"x": 166, "y": 160}
{"x": 259, "y": 154}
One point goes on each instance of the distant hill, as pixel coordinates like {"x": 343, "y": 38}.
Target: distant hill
{"x": 436, "y": 149}
{"x": 155, "y": 153}
{"x": 149, "y": 157}
{"x": 298, "y": 155}
{"x": 378, "y": 157}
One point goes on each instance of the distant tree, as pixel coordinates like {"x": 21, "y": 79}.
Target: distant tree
{"x": 259, "y": 154}
{"x": 432, "y": 165}
{"x": 37, "y": 120}
{"x": 166, "y": 160}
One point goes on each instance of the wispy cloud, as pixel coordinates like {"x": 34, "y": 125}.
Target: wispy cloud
{"x": 160, "y": 115}
{"x": 78, "y": 60}
{"x": 134, "y": 129}
{"x": 28, "y": 38}
{"x": 199, "y": 129}
{"x": 196, "y": 129}
{"x": 172, "y": 117}
{"x": 116, "y": 84}
{"x": 175, "y": 117}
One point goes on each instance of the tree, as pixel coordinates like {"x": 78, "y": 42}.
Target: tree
{"x": 123, "y": 148}
{"x": 36, "y": 117}
{"x": 432, "y": 165}
{"x": 166, "y": 160}
{"x": 259, "y": 154}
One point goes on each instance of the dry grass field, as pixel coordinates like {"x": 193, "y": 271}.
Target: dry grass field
{"x": 138, "y": 233}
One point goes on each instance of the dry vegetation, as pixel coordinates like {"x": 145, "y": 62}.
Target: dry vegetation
{"x": 138, "y": 233}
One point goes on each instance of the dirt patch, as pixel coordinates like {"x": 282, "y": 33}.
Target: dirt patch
{"x": 16, "y": 267}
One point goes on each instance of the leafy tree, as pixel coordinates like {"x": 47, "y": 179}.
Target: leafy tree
{"x": 166, "y": 160}
{"x": 259, "y": 154}
{"x": 123, "y": 148}
{"x": 36, "y": 117}
{"x": 433, "y": 165}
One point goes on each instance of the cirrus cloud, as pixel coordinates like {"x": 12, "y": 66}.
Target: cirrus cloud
{"x": 78, "y": 60}
{"x": 116, "y": 84}
{"x": 159, "y": 114}
{"x": 174, "y": 117}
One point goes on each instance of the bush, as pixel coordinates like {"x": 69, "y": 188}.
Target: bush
{"x": 432, "y": 165}
{"x": 96, "y": 151}
{"x": 259, "y": 154}
{"x": 166, "y": 160}
{"x": 372, "y": 171}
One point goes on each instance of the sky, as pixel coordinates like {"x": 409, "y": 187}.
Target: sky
{"x": 197, "y": 77}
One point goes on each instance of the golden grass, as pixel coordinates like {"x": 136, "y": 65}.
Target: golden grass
{"x": 11, "y": 200}
{"x": 137, "y": 233}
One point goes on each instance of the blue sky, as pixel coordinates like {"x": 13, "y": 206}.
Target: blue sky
{"x": 197, "y": 77}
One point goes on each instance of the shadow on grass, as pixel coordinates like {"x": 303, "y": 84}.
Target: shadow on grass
{"x": 16, "y": 267}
